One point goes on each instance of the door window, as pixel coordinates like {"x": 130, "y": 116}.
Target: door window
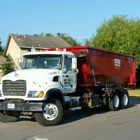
{"x": 67, "y": 65}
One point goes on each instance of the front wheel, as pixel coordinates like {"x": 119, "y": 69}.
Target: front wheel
{"x": 52, "y": 113}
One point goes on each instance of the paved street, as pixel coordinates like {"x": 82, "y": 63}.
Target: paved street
{"x": 95, "y": 124}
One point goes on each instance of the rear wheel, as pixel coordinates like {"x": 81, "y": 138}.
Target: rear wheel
{"x": 7, "y": 117}
{"x": 114, "y": 101}
{"x": 124, "y": 99}
{"x": 52, "y": 113}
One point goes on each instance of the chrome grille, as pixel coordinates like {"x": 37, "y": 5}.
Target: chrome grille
{"x": 14, "y": 88}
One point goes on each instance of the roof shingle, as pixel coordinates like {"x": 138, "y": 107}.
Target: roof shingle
{"x": 38, "y": 41}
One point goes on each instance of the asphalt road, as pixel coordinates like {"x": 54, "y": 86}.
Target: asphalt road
{"x": 95, "y": 124}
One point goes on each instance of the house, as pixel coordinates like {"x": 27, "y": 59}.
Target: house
{"x": 18, "y": 44}
{"x": 2, "y": 60}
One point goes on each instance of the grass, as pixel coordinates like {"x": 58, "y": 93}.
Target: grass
{"x": 134, "y": 95}
{"x": 134, "y": 92}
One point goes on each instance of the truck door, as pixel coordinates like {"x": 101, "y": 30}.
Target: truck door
{"x": 69, "y": 76}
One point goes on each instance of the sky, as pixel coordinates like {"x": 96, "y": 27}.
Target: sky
{"x": 77, "y": 18}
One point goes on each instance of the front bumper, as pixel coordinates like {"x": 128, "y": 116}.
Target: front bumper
{"x": 16, "y": 106}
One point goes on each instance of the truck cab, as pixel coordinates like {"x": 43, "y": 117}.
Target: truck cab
{"x": 42, "y": 76}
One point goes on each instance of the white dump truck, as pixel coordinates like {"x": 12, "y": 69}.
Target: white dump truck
{"x": 50, "y": 82}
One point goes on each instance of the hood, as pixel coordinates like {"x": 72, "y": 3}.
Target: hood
{"x": 30, "y": 73}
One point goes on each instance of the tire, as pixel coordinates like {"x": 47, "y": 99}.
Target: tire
{"x": 124, "y": 99}
{"x": 52, "y": 113}
{"x": 114, "y": 101}
{"x": 5, "y": 118}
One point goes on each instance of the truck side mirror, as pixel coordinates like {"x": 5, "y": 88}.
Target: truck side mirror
{"x": 74, "y": 63}
{"x": 18, "y": 62}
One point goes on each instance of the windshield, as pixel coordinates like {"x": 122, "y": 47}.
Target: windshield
{"x": 42, "y": 61}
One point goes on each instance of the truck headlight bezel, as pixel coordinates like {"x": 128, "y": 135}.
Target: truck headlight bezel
{"x": 35, "y": 94}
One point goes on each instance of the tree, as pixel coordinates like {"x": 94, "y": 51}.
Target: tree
{"x": 120, "y": 34}
{"x": 7, "y": 66}
{"x": 64, "y": 36}
{"x": 1, "y": 49}
{"x": 47, "y": 34}
{"x": 68, "y": 39}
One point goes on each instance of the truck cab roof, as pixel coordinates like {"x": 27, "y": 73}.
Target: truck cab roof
{"x": 49, "y": 52}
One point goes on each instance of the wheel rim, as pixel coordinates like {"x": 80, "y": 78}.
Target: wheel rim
{"x": 125, "y": 99}
{"x": 116, "y": 101}
{"x": 50, "y": 111}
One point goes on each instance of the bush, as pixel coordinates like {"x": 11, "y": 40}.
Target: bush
{"x": 7, "y": 66}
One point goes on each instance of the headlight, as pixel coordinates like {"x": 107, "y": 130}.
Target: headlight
{"x": 35, "y": 94}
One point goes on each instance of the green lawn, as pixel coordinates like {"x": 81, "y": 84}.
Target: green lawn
{"x": 134, "y": 92}
{"x": 134, "y": 95}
